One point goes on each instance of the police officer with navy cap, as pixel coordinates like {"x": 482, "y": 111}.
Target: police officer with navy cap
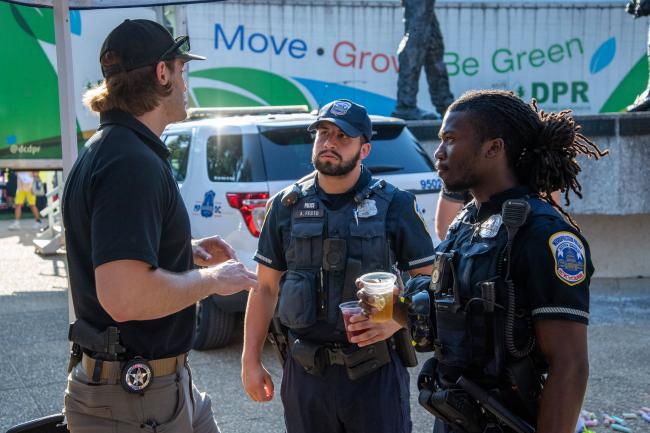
{"x": 318, "y": 237}
{"x": 508, "y": 299}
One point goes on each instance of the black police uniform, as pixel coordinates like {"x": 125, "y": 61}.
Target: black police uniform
{"x": 296, "y": 238}
{"x": 489, "y": 286}
{"x": 122, "y": 202}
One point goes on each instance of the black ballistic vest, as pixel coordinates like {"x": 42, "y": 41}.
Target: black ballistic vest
{"x": 472, "y": 299}
{"x": 328, "y": 250}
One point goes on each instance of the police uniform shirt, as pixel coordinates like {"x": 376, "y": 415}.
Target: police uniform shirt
{"x": 551, "y": 263}
{"x": 122, "y": 202}
{"x": 406, "y": 229}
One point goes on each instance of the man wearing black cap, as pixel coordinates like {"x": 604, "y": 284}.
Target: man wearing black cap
{"x": 130, "y": 254}
{"x": 318, "y": 237}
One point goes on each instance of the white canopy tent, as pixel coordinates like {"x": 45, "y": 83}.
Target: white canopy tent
{"x": 64, "y": 58}
{"x": 65, "y": 71}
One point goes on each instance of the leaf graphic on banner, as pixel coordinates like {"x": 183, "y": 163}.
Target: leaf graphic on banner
{"x": 267, "y": 87}
{"x": 35, "y": 22}
{"x": 603, "y": 56}
{"x": 631, "y": 85}
{"x": 75, "y": 22}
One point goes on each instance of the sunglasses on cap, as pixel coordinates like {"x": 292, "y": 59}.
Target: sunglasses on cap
{"x": 179, "y": 48}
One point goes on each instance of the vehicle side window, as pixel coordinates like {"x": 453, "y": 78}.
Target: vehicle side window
{"x": 226, "y": 162}
{"x": 179, "y": 148}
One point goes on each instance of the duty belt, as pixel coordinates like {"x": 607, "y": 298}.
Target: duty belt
{"x": 135, "y": 375}
{"x": 314, "y": 358}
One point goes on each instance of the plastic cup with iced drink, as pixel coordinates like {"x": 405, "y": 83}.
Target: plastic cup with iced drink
{"x": 379, "y": 286}
{"x": 349, "y": 309}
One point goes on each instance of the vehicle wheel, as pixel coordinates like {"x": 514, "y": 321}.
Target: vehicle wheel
{"x": 214, "y": 327}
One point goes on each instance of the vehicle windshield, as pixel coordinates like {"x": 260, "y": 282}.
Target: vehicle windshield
{"x": 287, "y": 152}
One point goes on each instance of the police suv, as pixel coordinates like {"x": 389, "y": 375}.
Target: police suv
{"x": 229, "y": 161}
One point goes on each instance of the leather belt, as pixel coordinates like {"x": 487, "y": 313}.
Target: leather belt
{"x": 110, "y": 370}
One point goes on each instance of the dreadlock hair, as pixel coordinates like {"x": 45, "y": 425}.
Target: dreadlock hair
{"x": 541, "y": 148}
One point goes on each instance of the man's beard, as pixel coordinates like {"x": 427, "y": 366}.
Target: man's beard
{"x": 174, "y": 108}
{"x": 336, "y": 169}
{"x": 465, "y": 177}
{"x": 460, "y": 185}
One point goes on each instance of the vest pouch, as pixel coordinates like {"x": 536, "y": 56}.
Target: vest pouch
{"x": 306, "y": 244}
{"x": 298, "y": 299}
{"x": 369, "y": 243}
{"x": 473, "y": 347}
{"x": 476, "y": 264}
{"x": 453, "y": 343}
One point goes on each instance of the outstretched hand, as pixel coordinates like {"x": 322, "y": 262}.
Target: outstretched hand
{"x": 230, "y": 277}
{"x": 212, "y": 251}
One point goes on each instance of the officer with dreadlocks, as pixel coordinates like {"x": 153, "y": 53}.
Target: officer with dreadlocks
{"x": 507, "y": 305}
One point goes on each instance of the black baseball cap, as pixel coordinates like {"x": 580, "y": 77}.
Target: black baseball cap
{"x": 352, "y": 118}
{"x": 144, "y": 42}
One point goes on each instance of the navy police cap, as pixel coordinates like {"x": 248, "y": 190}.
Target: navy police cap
{"x": 352, "y": 118}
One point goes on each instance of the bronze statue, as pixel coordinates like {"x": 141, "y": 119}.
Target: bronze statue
{"x": 641, "y": 8}
{"x": 422, "y": 45}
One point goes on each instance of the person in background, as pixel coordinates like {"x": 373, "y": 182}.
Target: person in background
{"x": 39, "y": 189}
{"x": 448, "y": 206}
{"x": 12, "y": 184}
{"x": 25, "y": 183}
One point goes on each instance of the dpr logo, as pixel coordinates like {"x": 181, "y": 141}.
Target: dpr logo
{"x": 207, "y": 207}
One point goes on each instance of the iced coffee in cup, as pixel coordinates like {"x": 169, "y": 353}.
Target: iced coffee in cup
{"x": 349, "y": 309}
{"x": 379, "y": 288}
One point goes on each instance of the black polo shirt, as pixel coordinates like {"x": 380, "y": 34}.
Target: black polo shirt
{"x": 405, "y": 228}
{"x": 551, "y": 262}
{"x": 122, "y": 202}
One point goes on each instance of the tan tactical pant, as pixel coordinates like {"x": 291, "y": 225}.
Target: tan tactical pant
{"x": 170, "y": 404}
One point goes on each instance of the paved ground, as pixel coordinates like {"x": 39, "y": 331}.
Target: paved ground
{"x": 33, "y": 358}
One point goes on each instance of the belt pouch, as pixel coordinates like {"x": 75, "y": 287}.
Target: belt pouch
{"x": 404, "y": 348}
{"x": 310, "y": 356}
{"x": 367, "y": 359}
